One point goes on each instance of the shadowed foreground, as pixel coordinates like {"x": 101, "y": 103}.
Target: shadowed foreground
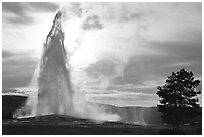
{"x": 62, "y": 125}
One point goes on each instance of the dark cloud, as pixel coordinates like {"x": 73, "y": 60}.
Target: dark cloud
{"x": 127, "y": 99}
{"x": 147, "y": 71}
{"x": 132, "y": 17}
{"x": 21, "y": 8}
{"x": 141, "y": 68}
{"x": 92, "y": 23}
{"x": 174, "y": 56}
{"x": 18, "y": 8}
{"x": 6, "y": 54}
{"x": 181, "y": 50}
{"x": 133, "y": 89}
{"x": 20, "y": 20}
{"x": 22, "y": 11}
{"x": 102, "y": 67}
{"x": 17, "y": 70}
{"x": 16, "y": 81}
{"x": 43, "y": 6}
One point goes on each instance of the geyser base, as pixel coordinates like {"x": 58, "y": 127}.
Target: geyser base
{"x": 66, "y": 125}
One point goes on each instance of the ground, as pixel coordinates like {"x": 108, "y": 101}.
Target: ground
{"x": 62, "y": 125}
{"x": 66, "y": 125}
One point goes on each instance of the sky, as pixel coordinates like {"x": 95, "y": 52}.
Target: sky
{"x": 119, "y": 52}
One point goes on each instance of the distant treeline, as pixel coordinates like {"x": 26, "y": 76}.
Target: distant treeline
{"x": 10, "y": 103}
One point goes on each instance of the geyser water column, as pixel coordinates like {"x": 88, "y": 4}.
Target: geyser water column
{"x": 55, "y": 92}
{"x": 54, "y": 86}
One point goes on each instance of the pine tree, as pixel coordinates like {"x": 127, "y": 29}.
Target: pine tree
{"x": 178, "y": 98}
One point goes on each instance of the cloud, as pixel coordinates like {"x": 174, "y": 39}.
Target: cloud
{"x": 15, "y": 7}
{"x": 17, "y": 69}
{"x": 145, "y": 72}
{"x": 102, "y": 67}
{"x": 6, "y": 54}
{"x": 20, "y": 13}
{"x": 19, "y": 20}
{"x": 43, "y": 6}
{"x": 92, "y": 23}
{"x": 121, "y": 98}
{"x": 77, "y": 9}
{"x": 129, "y": 46}
{"x": 16, "y": 13}
{"x": 132, "y": 17}
{"x": 149, "y": 40}
{"x": 21, "y": 8}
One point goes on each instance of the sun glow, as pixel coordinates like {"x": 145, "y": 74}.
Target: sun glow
{"x": 81, "y": 54}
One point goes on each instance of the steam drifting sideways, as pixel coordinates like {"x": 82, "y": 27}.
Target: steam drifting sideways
{"x": 56, "y": 92}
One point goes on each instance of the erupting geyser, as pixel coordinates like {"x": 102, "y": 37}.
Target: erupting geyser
{"x": 54, "y": 86}
{"x": 56, "y": 94}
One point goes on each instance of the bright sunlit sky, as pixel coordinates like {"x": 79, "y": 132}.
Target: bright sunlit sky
{"x": 125, "y": 50}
